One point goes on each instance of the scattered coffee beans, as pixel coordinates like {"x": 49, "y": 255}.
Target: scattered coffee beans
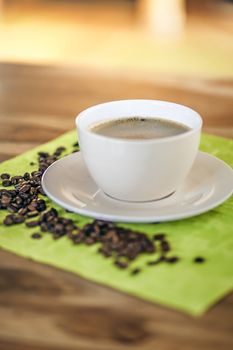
{"x": 121, "y": 244}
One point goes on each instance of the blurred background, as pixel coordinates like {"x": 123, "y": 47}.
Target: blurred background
{"x": 137, "y": 37}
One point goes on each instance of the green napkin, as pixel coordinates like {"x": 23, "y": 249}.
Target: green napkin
{"x": 185, "y": 286}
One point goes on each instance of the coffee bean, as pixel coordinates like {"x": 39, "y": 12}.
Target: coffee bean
{"x": 24, "y": 195}
{"x": 6, "y": 200}
{"x": 36, "y": 174}
{"x": 17, "y": 187}
{"x": 17, "y": 206}
{"x": 61, "y": 149}
{"x": 165, "y": 246}
{"x": 199, "y": 260}
{"x": 172, "y": 259}
{"x": 13, "y": 193}
{"x": 18, "y": 219}
{"x": 159, "y": 236}
{"x": 6, "y": 183}
{"x": 18, "y": 200}
{"x": 43, "y": 227}
{"x": 32, "y": 206}
{"x": 135, "y": 271}
{"x": 8, "y": 220}
{"x": 32, "y": 214}
{"x": 40, "y": 205}
{"x": 36, "y": 235}
{"x": 43, "y": 154}
{"x": 22, "y": 211}
{"x": 12, "y": 208}
{"x": 26, "y": 176}
{"x": 41, "y": 191}
{"x": 5, "y": 176}
{"x": 33, "y": 173}
{"x": 32, "y": 223}
{"x": 53, "y": 212}
{"x": 121, "y": 264}
{"x": 25, "y": 188}
{"x": 57, "y": 154}
{"x": 33, "y": 191}
{"x": 59, "y": 229}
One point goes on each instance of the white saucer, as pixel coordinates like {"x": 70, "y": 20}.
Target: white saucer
{"x": 68, "y": 183}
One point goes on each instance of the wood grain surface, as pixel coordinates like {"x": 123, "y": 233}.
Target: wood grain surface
{"x": 43, "y": 308}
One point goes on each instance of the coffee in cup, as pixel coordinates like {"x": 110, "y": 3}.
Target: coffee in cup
{"x": 138, "y": 128}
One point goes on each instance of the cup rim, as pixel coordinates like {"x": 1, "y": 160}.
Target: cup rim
{"x": 166, "y": 139}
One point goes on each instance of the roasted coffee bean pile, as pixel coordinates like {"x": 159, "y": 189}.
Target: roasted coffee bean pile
{"x": 22, "y": 200}
{"x": 123, "y": 245}
{"x": 24, "y": 204}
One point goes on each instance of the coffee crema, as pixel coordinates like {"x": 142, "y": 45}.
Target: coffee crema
{"x": 139, "y": 128}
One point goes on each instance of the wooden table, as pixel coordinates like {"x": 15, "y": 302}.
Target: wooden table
{"x": 45, "y": 308}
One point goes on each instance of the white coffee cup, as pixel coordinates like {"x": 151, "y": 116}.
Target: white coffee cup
{"x": 139, "y": 170}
